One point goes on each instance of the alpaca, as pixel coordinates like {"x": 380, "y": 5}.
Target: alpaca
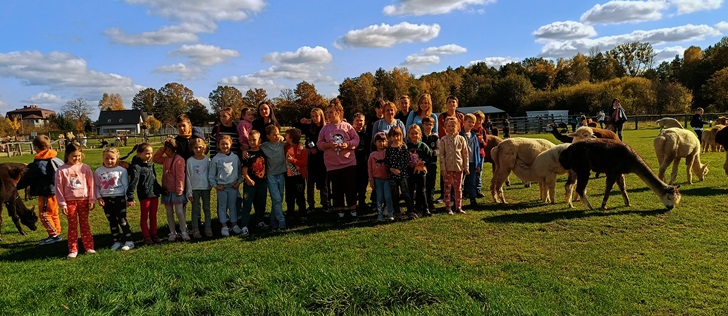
{"x": 721, "y": 137}
{"x": 667, "y": 122}
{"x": 722, "y": 120}
{"x": 708, "y": 141}
{"x": 614, "y": 159}
{"x": 598, "y": 132}
{"x": 672, "y": 145}
{"x": 490, "y": 142}
{"x": 505, "y": 157}
{"x": 560, "y": 137}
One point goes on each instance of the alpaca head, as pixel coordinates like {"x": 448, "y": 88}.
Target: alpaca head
{"x": 671, "y": 197}
{"x": 703, "y": 171}
{"x": 582, "y": 133}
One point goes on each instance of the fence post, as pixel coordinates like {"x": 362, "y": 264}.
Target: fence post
{"x": 636, "y": 122}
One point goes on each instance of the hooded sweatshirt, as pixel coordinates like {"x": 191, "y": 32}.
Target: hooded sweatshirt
{"x": 41, "y": 174}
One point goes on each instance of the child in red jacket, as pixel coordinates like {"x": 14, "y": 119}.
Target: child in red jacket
{"x": 296, "y": 162}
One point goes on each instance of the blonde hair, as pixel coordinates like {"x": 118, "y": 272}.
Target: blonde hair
{"x": 454, "y": 120}
{"x": 417, "y": 129}
{"x": 479, "y": 114}
{"x": 228, "y": 138}
{"x": 113, "y": 151}
{"x": 321, "y": 114}
{"x": 470, "y": 116}
{"x": 427, "y": 97}
{"x": 197, "y": 141}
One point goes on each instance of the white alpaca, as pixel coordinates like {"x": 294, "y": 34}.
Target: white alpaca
{"x": 668, "y": 122}
{"x": 507, "y": 154}
{"x": 672, "y": 145}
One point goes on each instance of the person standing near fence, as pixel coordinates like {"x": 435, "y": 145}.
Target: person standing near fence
{"x": 697, "y": 122}
{"x": 617, "y": 117}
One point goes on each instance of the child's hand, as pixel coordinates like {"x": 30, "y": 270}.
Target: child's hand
{"x": 466, "y": 171}
{"x": 289, "y": 158}
{"x": 130, "y": 204}
{"x": 219, "y": 187}
{"x": 179, "y": 193}
{"x": 191, "y": 199}
{"x": 64, "y": 210}
{"x": 344, "y": 145}
{"x": 371, "y": 183}
{"x": 245, "y": 154}
{"x": 91, "y": 205}
{"x": 101, "y": 202}
{"x": 394, "y": 171}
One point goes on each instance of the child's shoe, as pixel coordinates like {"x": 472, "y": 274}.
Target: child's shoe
{"x": 128, "y": 246}
{"x": 185, "y": 236}
{"x": 380, "y": 217}
{"x": 244, "y": 231}
{"x": 225, "y": 231}
{"x": 236, "y": 230}
{"x": 156, "y": 239}
{"x": 473, "y": 202}
{"x": 262, "y": 225}
{"x": 196, "y": 234}
{"x": 208, "y": 232}
{"x": 148, "y": 241}
{"x": 461, "y": 211}
{"x": 116, "y": 246}
{"x": 391, "y": 218}
{"x": 72, "y": 255}
{"x": 90, "y": 252}
{"x": 172, "y": 237}
{"x": 449, "y": 211}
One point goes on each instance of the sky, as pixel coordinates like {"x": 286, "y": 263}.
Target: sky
{"x": 55, "y": 51}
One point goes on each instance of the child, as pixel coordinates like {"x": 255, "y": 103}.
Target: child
{"x": 362, "y": 156}
{"x": 143, "y": 180}
{"x": 225, "y": 127}
{"x": 454, "y": 160}
{"x": 225, "y": 176}
{"x": 473, "y": 157}
{"x": 420, "y": 154}
{"x": 173, "y": 182}
{"x": 397, "y": 159}
{"x": 76, "y": 197}
{"x": 198, "y": 187}
{"x": 112, "y": 181}
{"x": 338, "y": 140}
{"x": 431, "y": 140}
{"x": 275, "y": 153}
{"x": 379, "y": 177}
{"x": 482, "y": 134}
{"x": 245, "y": 126}
{"x": 185, "y": 133}
{"x": 256, "y": 184}
{"x": 40, "y": 179}
{"x": 296, "y": 162}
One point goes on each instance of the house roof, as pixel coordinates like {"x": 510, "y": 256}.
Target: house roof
{"x": 29, "y": 110}
{"x": 122, "y": 117}
{"x": 32, "y": 116}
{"x": 485, "y": 109}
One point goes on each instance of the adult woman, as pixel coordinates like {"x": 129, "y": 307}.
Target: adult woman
{"x": 424, "y": 109}
{"x": 316, "y": 169}
{"x": 266, "y": 117}
{"x": 385, "y": 124}
{"x": 617, "y": 117}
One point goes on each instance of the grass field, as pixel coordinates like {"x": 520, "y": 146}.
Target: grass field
{"x": 525, "y": 258}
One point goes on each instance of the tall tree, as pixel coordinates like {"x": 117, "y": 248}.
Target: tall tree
{"x": 198, "y": 113}
{"x": 224, "y": 97}
{"x": 77, "y": 109}
{"x": 541, "y": 72}
{"x": 716, "y": 89}
{"x": 144, "y": 100}
{"x": 172, "y": 100}
{"x": 635, "y": 58}
{"x": 511, "y": 94}
{"x": 253, "y": 97}
{"x": 111, "y": 102}
{"x": 357, "y": 94}
{"x": 602, "y": 67}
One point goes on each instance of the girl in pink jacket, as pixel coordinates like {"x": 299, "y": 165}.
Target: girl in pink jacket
{"x": 76, "y": 198}
{"x": 173, "y": 183}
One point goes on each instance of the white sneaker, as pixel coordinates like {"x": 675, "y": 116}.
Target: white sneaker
{"x": 236, "y": 230}
{"x": 225, "y": 231}
{"x": 72, "y": 255}
{"x": 128, "y": 245}
{"x": 244, "y": 232}
{"x": 116, "y": 246}
{"x": 90, "y": 252}
{"x": 172, "y": 237}
{"x": 185, "y": 236}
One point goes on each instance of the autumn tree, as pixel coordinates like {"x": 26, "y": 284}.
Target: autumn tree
{"x": 672, "y": 97}
{"x": 224, "y": 97}
{"x": 634, "y": 58}
{"x": 198, "y": 113}
{"x": 5, "y": 128}
{"x": 61, "y": 122}
{"x": 111, "y": 102}
{"x": 152, "y": 123}
{"x": 511, "y": 94}
{"x": 541, "y": 72}
{"x": 144, "y": 100}
{"x": 253, "y": 97}
{"x": 172, "y": 100}
{"x": 716, "y": 89}
{"x": 357, "y": 94}
{"x": 602, "y": 67}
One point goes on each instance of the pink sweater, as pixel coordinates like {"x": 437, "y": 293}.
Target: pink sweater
{"x": 75, "y": 183}
{"x": 377, "y": 169}
{"x": 339, "y": 133}
{"x": 244, "y": 128}
{"x": 173, "y": 177}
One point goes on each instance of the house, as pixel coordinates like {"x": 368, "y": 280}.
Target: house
{"x": 490, "y": 111}
{"x": 32, "y": 115}
{"x": 127, "y": 120}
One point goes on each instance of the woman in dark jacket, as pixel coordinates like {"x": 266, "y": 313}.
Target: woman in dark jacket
{"x": 266, "y": 117}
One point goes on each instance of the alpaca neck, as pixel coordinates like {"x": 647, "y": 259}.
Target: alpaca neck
{"x": 648, "y": 177}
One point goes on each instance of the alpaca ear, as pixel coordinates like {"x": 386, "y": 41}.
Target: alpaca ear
{"x": 572, "y": 135}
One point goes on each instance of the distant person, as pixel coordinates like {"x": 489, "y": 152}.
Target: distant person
{"x": 506, "y": 129}
{"x": 617, "y": 117}
{"x": 697, "y": 123}
{"x": 600, "y": 118}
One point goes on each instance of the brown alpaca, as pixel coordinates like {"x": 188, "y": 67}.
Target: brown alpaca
{"x": 10, "y": 174}
{"x": 598, "y": 132}
{"x": 560, "y": 137}
{"x": 672, "y": 145}
{"x": 613, "y": 159}
{"x": 708, "y": 141}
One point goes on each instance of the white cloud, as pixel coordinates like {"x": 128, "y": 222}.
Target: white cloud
{"x": 425, "y": 7}
{"x": 62, "y": 71}
{"x": 668, "y": 53}
{"x": 420, "y": 60}
{"x": 44, "y": 98}
{"x": 496, "y": 62}
{"x": 181, "y": 69}
{"x": 564, "y": 31}
{"x": 193, "y": 17}
{"x": 204, "y": 101}
{"x": 569, "y": 48}
{"x": 303, "y": 55}
{"x": 690, "y": 6}
{"x": 250, "y": 82}
{"x": 722, "y": 26}
{"x": 615, "y": 12}
{"x": 3, "y": 104}
{"x": 205, "y": 55}
{"x": 385, "y": 35}
{"x": 450, "y": 49}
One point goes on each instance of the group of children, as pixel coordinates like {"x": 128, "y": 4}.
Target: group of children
{"x": 398, "y": 165}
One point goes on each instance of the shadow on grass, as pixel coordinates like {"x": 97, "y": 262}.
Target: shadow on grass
{"x": 705, "y": 191}
{"x": 546, "y": 217}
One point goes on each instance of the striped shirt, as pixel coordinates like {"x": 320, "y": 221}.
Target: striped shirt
{"x": 220, "y": 130}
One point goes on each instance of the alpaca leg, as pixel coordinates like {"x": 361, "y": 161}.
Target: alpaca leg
{"x": 689, "y": 163}
{"x": 664, "y": 163}
{"x": 569, "y": 187}
{"x": 620, "y": 183}
{"x": 581, "y": 182}
{"x": 608, "y": 188}
{"x": 675, "y": 166}
{"x": 552, "y": 189}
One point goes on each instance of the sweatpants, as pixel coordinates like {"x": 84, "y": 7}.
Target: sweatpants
{"x": 179, "y": 209}
{"x": 78, "y": 214}
{"x": 115, "y": 211}
{"x": 201, "y": 197}
{"x": 343, "y": 188}
{"x": 227, "y": 199}
{"x": 48, "y": 214}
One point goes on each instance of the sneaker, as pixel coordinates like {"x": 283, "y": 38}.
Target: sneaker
{"x": 172, "y": 237}
{"x": 148, "y": 241}
{"x": 116, "y": 246}
{"x": 244, "y": 231}
{"x": 391, "y": 218}
{"x": 236, "y": 230}
{"x": 225, "y": 231}
{"x": 449, "y": 212}
{"x": 90, "y": 252}
{"x": 128, "y": 245}
{"x": 427, "y": 213}
{"x": 208, "y": 232}
{"x": 341, "y": 218}
{"x": 72, "y": 255}
{"x": 262, "y": 225}
{"x": 380, "y": 218}
{"x": 45, "y": 241}
{"x": 156, "y": 239}
{"x": 185, "y": 236}
{"x": 461, "y": 211}
{"x": 196, "y": 234}
{"x": 50, "y": 240}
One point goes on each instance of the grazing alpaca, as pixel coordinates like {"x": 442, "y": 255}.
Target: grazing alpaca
{"x": 507, "y": 154}
{"x": 614, "y": 159}
{"x": 10, "y": 174}
{"x": 721, "y": 137}
{"x": 667, "y": 122}
{"x": 708, "y": 141}
{"x": 672, "y": 145}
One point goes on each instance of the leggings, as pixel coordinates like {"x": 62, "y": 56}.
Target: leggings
{"x": 180, "y": 210}
{"x": 148, "y": 220}
{"x": 343, "y": 187}
{"x": 454, "y": 180}
{"x": 115, "y": 211}
{"x": 78, "y": 214}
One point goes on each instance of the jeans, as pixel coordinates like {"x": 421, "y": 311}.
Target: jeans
{"x": 618, "y": 128}
{"x": 396, "y": 184}
{"x": 384, "y": 196}
{"x": 276, "y": 185}
{"x": 201, "y": 196}
{"x": 416, "y": 186}
{"x": 478, "y": 182}
{"x": 430, "y": 185}
{"x": 227, "y": 200}
{"x": 470, "y": 185}
{"x": 254, "y": 196}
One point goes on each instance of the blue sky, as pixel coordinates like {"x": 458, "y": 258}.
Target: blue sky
{"x": 55, "y": 51}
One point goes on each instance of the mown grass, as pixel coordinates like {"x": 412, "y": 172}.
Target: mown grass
{"x": 525, "y": 258}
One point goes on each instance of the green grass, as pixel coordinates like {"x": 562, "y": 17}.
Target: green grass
{"x": 525, "y": 258}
